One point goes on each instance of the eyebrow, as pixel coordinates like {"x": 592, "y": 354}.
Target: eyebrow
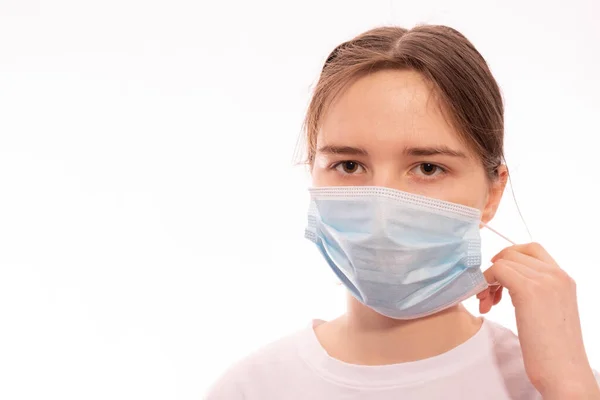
{"x": 408, "y": 151}
{"x": 433, "y": 151}
{"x": 346, "y": 150}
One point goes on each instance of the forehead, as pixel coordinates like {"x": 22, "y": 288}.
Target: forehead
{"x": 388, "y": 109}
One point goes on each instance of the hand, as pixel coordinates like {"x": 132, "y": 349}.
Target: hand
{"x": 545, "y": 302}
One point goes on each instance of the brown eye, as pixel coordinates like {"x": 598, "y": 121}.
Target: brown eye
{"x": 428, "y": 169}
{"x": 349, "y": 167}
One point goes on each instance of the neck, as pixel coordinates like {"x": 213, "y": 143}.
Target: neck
{"x": 363, "y": 336}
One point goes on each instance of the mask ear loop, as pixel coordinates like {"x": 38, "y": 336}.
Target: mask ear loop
{"x": 498, "y": 233}
{"x": 503, "y": 237}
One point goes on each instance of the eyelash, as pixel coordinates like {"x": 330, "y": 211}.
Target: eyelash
{"x": 335, "y": 165}
{"x": 442, "y": 170}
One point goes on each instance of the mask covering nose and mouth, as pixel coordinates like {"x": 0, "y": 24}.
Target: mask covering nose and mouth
{"x": 405, "y": 256}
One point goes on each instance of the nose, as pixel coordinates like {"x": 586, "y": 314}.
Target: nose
{"x": 388, "y": 178}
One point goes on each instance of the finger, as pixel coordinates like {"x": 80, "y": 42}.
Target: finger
{"x": 494, "y": 294}
{"x": 498, "y": 296}
{"x": 485, "y": 305}
{"x": 530, "y": 273}
{"x": 509, "y": 274}
{"x": 521, "y": 258}
{"x": 485, "y": 293}
{"x": 534, "y": 250}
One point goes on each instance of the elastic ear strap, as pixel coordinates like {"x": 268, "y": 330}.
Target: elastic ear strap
{"x": 499, "y": 234}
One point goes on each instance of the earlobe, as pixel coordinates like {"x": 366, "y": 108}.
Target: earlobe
{"x": 495, "y": 194}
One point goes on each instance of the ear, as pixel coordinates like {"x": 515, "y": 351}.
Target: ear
{"x": 495, "y": 194}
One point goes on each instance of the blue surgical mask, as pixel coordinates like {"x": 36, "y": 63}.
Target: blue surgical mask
{"x": 403, "y": 255}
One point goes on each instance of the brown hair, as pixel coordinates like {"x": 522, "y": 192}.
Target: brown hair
{"x": 469, "y": 94}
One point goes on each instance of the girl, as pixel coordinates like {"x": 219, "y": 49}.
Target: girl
{"x": 405, "y": 143}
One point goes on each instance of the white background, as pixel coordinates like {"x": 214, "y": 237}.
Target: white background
{"x": 151, "y": 216}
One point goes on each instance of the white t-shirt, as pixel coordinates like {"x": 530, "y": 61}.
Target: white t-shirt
{"x": 487, "y": 366}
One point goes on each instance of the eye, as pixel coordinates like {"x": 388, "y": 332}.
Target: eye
{"x": 348, "y": 167}
{"x": 428, "y": 170}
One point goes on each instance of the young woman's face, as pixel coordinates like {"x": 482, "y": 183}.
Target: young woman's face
{"x": 387, "y": 130}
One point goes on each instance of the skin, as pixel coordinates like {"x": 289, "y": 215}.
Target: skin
{"x": 387, "y": 129}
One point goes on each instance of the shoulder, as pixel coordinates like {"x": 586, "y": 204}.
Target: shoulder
{"x": 259, "y": 370}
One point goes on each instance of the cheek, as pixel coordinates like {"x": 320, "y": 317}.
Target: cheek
{"x": 466, "y": 196}
{"x": 475, "y": 196}
{"x": 478, "y": 201}
{"x": 471, "y": 191}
